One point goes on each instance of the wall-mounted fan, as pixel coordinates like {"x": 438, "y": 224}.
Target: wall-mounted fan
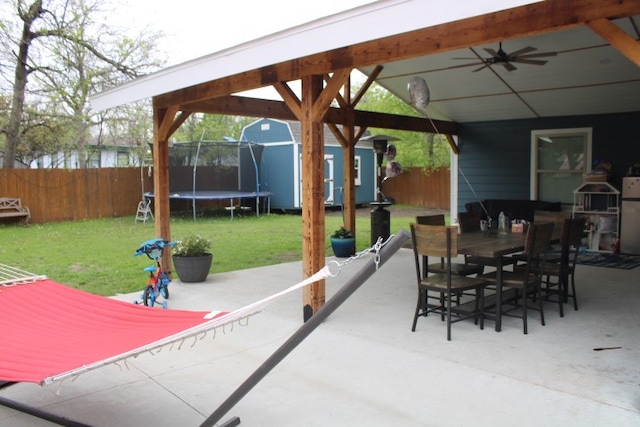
{"x": 522, "y": 56}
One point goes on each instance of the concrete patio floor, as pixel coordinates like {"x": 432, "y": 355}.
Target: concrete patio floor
{"x": 364, "y": 367}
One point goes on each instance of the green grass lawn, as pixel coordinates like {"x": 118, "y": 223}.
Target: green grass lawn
{"x": 97, "y": 255}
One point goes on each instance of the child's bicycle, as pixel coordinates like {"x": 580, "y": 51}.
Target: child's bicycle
{"x": 158, "y": 282}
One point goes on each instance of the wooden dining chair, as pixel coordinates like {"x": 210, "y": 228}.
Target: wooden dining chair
{"x": 459, "y": 268}
{"x": 442, "y": 241}
{"x": 557, "y": 218}
{"x": 526, "y": 279}
{"x": 558, "y": 273}
{"x": 468, "y": 222}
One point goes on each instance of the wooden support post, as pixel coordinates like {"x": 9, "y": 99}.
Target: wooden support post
{"x": 161, "y": 178}
{"x": 313, "y": 233}
{"x": 348, "y": 173}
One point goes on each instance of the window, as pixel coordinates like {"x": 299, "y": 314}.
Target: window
{"x": 559, "y": 159}
{"x": 94, "y": 159}
{"x": 358, "y": 170}
{"x": 123, "y": 158}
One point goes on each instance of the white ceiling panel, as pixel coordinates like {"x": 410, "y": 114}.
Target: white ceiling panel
{"x": 587, "y": 76}
{"x": 579, "y": 101}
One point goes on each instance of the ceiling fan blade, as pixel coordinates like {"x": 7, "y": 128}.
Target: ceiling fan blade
{"x": 537, "y": 55}
{"x": 522, "y": 51}
{"x": 453, "y": 67}
{"x": 482, "y": 68}
{"x": 529, "y": 61}
{"x": 508, "y": 66}
{"x": 492, "y": 52}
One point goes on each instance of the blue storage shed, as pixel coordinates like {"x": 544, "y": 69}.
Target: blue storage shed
{"x": 281, "y": 168}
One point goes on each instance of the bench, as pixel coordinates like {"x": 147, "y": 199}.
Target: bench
{"x": 12, "y": 208}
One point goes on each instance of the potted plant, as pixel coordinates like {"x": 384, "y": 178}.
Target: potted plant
{"x": 192, "y": 258}
{"x": 343, "y": 243}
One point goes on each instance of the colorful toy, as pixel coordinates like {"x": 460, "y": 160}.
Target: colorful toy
{"x": 158, "y": 282}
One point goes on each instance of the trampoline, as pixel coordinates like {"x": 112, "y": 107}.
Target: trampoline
{"x": 231, "y": 196}
{"x": 217, "y": 170}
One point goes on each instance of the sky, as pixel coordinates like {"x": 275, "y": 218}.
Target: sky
{"x": 195, "y": 28}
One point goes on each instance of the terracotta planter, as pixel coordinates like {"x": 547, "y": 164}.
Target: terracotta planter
{"x": 343, "y": 248}
{"x": 192, "y": 268}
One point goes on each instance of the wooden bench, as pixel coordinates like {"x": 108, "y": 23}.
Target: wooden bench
{"x": 12, "y": 208}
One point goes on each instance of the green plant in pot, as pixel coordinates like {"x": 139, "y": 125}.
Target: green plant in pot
{"x": 343, "y": 243}
{"x": 192, "y": 258}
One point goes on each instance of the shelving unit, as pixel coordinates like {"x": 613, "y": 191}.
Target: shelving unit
{"x": 599, "y": 202}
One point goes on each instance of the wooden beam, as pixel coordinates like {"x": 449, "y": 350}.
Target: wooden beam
{"x": 619, "y": 39}
{"x": 452, "y": 144}
{"x": 328, "y": 94}
{"x": 290, "y": 99}
{"x": 360, "y": 132}
{"x": 242, "y": 106}
{"x": 253, "y": 107}
{"x": 339, "y": 136}
{"x": 392, "y": 121}
{"x": 341, "y": 101}
{"x": 524, "y": 21}
{"x": 348, "y": 140}
{"x": 367, "y": 84}
{"x": 178, "y": 121}
{"x": 166, "y": 122}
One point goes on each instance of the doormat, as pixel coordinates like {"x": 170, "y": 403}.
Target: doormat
{"x": 603, "y": 259}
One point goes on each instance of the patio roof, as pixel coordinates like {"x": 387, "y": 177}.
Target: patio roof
{"x": 596, "y": 69}
{"x": 339, "y": 31}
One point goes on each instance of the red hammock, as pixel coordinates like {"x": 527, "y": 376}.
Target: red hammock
{"x": 47, "y": 329}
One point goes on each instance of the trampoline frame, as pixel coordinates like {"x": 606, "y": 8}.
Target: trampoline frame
{"x": 232, "y": 196}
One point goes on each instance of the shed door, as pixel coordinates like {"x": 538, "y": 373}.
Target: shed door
{"x": 329, "y": 181}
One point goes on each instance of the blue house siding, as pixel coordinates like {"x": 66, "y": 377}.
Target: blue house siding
{"x": 495, "y": 157}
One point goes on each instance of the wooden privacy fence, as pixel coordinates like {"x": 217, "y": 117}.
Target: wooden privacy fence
{"x": 71, "y": 194}
{"x": 414, "y": 187}
{"x": 54, "y": 195}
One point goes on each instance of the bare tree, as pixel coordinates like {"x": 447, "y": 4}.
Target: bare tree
{"x": 69, "y": 56}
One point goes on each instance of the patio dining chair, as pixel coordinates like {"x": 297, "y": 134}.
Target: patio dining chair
{"x": 557, "y": 218}
{"x": 526, "y": 279}
{"x": 557, "y": 274}
{"x": 468, "y": 222}
{"x": 459, "y": 268}
{"x": 442, "y": 241}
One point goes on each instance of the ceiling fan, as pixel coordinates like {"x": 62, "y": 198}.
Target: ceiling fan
{"x": 522, "y": 56}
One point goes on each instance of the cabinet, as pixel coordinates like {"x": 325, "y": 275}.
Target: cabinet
{"x": 599, "y": 202}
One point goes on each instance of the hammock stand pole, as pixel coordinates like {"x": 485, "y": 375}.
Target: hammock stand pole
{"x": 38, "y": 413}
{"x": 308, "y": 327}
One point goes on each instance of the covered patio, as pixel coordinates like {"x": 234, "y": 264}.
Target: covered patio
{"x": 321, "y": 56}
{"x": 363, "y": 365}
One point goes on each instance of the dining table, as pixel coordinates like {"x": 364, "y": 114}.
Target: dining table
{"x": 493, "y": 245}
